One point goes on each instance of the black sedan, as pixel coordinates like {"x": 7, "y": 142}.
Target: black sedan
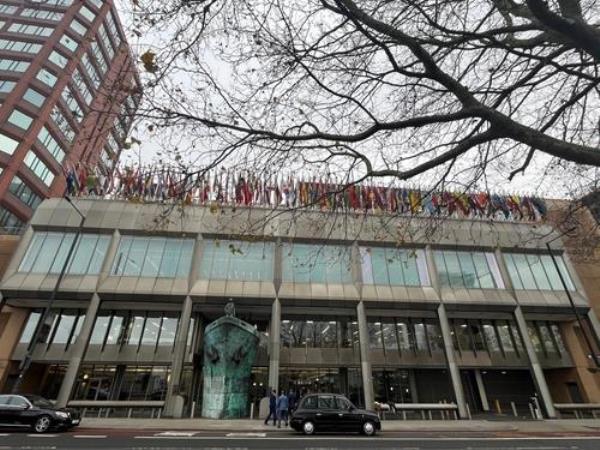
{"x": 333, "y": 412}
{"x": 35, "y": 412}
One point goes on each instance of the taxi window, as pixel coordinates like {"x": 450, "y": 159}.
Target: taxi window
{"x": 343, "y": 403}
{"x": 310, "y": 402}
{"x": 327, "y": 402}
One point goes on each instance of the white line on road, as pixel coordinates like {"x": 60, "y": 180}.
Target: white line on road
{"x": 246, "y": 435}
{"x": 386, "y": 439}
{"x": 90, "y": 436}
{"x": 177, "y": 433}
{"x": 42, "y": 435}
{"x": 4, "y": 434}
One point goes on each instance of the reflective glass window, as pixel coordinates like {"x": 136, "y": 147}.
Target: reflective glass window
{"x": 100, "y": 329}
{"x": 8, "y": 144}
{"x": 32, "y": 30}
{"x": 14, "y": 45}
{"x": 7, "y": 86}
{"x": 58, "y": 59}
{"x": 64, "y": 328}
{"x": 237, "y": 260}
{"x": 19, "y": 119}
{"x": 10, "y": 223}
{"x": 136, "y": 326}
{"x": 151, "y": 329}
{"x": 303, "y": 263}
{"x": 78, "y": 27}
{"x": 168, "y": 331}
{"x": 51, "y": 144}
{"x": 70, "y": 44}
{"x": 48, "y": 250}
{"x": 23, "y": 192}
{"x": 392, "y": 266}
{"x": 43, "y": 14}
{"x": 12, "y": 65}
{"x": 62, "y": 123}
{"x": 87, "y": 13}
{"x": 115, "y": 330}
{"x": 30, "y": 326}
{"x": 8, "y": 9}
{"x": 537, "y": 272}
{"x": 463, "y": 269}
{"x": 34, "y": 97}
{"x": 47, "y": 77}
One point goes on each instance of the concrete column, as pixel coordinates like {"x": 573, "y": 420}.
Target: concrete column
{"x": 451, "y": 360}
{"x": 412, "y": 381}
{"x": 78, "y": 353}
{"x": 365, "y": 359}
{"x": 534, "y": 365}
{"x": 173, "y": 401}
{"x": 274, "y": 344}
{"x": 485, "y": 405}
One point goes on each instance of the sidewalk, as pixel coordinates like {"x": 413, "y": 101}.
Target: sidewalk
{"x": 247, "y": 425}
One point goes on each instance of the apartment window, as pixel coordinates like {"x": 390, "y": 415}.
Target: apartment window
{"x": 69, "y": 43}
{"x": 304, "y": 263}
{"x": 63, "y": 3}
{"x": 39, "y": 168}
{"x": 58, "y": 59}
{"x": 32, "y": 30}
{"x": 30, "y": 326}
{"x": 78, "y": 27}
{"x": 97, "y": 3}
{"x": 50, "y": 144}
{"x": 47, "y": 77}
{"x": 463, "y": 269}
{"x": 7, "y": 86}
{"x": 42, "y": 14}
{"x": 34, "y": 97}
{"x": 8, "y": 9}
{"x": 11, "y": 65}
{"x": 23, "y": 192}
{"x": 62, "y": 123}
{"x": 47, "y": 253}
{"x": 537, "y": 272}
{"x": 10, "y": 223}
{"x": 323, "y": 332}
{"x": 91, "y": 70}
{"x": 8, "y": 144}
{"x": 237, "y": 260}
{"x": 19, "y": 119}
{"x": 108, "y": 46}
{"x": 99, "y": 56}
{"x": 20, "y": 46}
{"x": 153, "y": 257}
{"x": 82, "y": 87}
{"x": 72, "y": 103}
{"x": 112, "y": 28}
{"x": 87, "y": 13}
{"x": 390, "y": 266}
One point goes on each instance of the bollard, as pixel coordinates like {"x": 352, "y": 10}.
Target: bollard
{"x": 469, "y": 412}
{"x": 252, "y": 410}
{"x": 514, "y": 409}
{"x": 498, "y": 407}
{"x": 193, "y": 409}
{"x": 531, "y": 410}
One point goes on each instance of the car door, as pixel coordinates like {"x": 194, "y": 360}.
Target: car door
{"x": 20, "y": 410}
{"x": 4, "y": 410}
{"x": 347, "y": 417}
{"x": 327, "y": 413}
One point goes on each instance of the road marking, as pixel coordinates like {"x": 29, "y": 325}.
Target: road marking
{"x": 246, "y": 435}
{"x": 90, "y": 436}
{"x": 387, "y": 439}
{"x": 177, "y": 433}
{"x": 42, "y": 435}
{"x": 4, "y": 434}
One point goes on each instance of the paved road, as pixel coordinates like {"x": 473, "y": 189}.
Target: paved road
{"x": 162, "y": 440}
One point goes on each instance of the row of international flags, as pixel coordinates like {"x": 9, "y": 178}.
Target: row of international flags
{"x": 216, "y": 187}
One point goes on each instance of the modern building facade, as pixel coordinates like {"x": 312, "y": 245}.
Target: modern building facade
{"x": 471, "y": 312}
{"x": 68, "y": 92}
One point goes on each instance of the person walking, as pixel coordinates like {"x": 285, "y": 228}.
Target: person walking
{"x": 282, "y": 409}
{"x": 291, "y": 402}
{"x": 272, "y": 408}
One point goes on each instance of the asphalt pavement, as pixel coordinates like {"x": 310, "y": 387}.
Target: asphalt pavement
{"x": 90, "y": 439}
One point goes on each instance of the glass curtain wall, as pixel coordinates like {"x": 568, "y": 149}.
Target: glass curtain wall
{"x": 547, "y": 339}
{"x": 537, "y": 272}
{"x": 303, "y": 263}
{"x": 494, "y": 337}
{"x": 334, "y": 332}
{"x": 395, "y": 267}
{"x": 470, "y": 270}
{"x": 405, "y": 336}
{"x": 237, "y": 260}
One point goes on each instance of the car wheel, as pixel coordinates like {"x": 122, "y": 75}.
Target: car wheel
{"x": 368, "y": 428}
{"x": 308, "y": 428}
{"x": 42, "y": 424}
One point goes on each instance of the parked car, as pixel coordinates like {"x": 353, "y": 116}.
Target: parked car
{"x": 35, "y": 412}
{"x": 332, "y": 412}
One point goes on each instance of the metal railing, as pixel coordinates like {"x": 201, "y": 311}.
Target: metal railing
{"x": 426, "y": 410}
{"x": 105, "y": 407}
{"x": 578, "y": 410}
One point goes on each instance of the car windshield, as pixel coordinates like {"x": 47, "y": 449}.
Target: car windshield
{"x": 40, "y": 402}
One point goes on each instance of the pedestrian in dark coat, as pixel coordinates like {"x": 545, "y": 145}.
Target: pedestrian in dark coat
{"x": 272, "y": 408}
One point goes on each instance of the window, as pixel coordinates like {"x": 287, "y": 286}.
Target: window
{"x": 34, "y": 97}
{"x": 72, "y": 103}
{"x": 237, "y": 260}
{"x": 19, "y": 119}
{"x": 39, "y": 168}
{"x": 24, "y": 193}
{"x": 62, "y": 123}
{"x": 99, "y": 57}
{"x": 327, "y": 402}
{"x": 310, "y": 402}
{"x": 78, "y": 27}
{"x": 303, "y": 263}
{"x": 91, "y": 70}
{"x": 168, "y": 330}
{"x": 8, "y": 9}
{"x": 108, "y": 46}
{"x": 153, "y": 257}
{"x": 42, "y": 14}
{"x": 97, "y": 3}
{"x": 32, "y": 30}
{"x": 395, "y": 267}
{"x": 46, "y": 77}
{"x": 10, "y": 223}
{"x": 331, "y": 332}
{"x": 461, "y": 269}
{"x": 100, "y": 329}
{"x": 537, "y": 272}
{"x": 11, "y": 65}
{"x": 112, "y": 28}
{"x": 30, "y": 326}
{"x": 58, "y": 59}
{"x": 7, "y": 86}
{"x": 20, "y": 46}
{"x": 50, "y": 144}
{"x": 7, "y": 144}
{"x": 69, "y": 43}
{"x": 48, "y": 251}
{"x": 82, "y": 86}
{"x": 62, "y": 3}
{"x": 87, "y": 13}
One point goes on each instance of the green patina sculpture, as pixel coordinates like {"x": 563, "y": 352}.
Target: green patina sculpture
{"x": 229, "y": 350}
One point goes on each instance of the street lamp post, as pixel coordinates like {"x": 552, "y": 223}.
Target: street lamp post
{"x": 26, "y": 363}
{"x": 570, "y": 297}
